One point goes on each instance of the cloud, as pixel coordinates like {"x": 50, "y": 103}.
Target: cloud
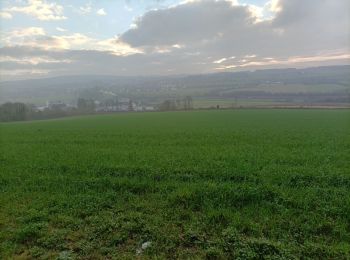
{"x": 117, "y": 47}
{"x": 220, "y": 61}
{"x": 188, "y": 23}
{"x": 86, "y": 9}
{"x": 71, "y": 62}
{"x": 101, "y": 12}
{"x": 36, "y": 37}
{"x": 20, "y": 36}
{"x": 224, "y": 29}
{"x": 273, "y": 6}
{"x": 17, "y": 73}
{"x": 198, "y": 37}
{"x": 40, "y": 9}
{"x": 60, "y": 29}
{"x": 32, "y": 60}
{"x": 5, "y": 15}
{"x": 128, "y": 8}
{"x": 29, "y": 31}
{"x": 340, "y": 57}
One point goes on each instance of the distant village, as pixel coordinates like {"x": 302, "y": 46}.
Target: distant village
{"x": 17, "y": 111}
{"x": 116, "y": 105}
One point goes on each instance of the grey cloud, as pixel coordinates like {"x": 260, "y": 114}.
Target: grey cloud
{"x": 208, "y": 31}
{"x": 314, "y": 25}
{"x": 301, "y": 27}
{"x": 188, "y": 23}
{"x": 98, "y": 62}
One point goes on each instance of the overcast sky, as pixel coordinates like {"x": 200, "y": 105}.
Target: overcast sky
{"x": 41, "y": 38}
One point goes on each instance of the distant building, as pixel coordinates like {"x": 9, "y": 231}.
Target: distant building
{"x": 148, "y": 108}
{"x": 40, "y": 108}
{"x": 121, "y": 105}
{"x": 57, "y": 105}
{"x": 104, "y": 108}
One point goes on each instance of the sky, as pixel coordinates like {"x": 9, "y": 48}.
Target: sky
{"x": 43, "y": 38}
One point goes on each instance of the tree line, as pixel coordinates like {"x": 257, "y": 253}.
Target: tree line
{"x": 177, "y": 104}
{"x": 17, "y": 111}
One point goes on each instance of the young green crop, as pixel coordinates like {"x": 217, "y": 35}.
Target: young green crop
{"x": 202, "y": 184}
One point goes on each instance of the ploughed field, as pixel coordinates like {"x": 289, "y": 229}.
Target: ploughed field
{"x": 203, "y": 184}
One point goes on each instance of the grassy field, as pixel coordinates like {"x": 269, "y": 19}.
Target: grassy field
{"x": 243, "y": 184}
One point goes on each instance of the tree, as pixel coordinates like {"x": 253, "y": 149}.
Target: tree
{"x": 131, "y": 106}
{"x": 188, "y": 103}
{"x": 168, "y": 105}
{"x": 13, "y": 111}
{"x": 86, "y": 105}
{"x": 81, "y": 104}
{"x": 179, "y": 104}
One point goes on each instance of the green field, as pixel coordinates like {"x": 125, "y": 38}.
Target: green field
{"x": 239, "y": 184}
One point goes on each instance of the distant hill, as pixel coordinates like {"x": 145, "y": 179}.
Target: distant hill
{"x": 318, "y": 84}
